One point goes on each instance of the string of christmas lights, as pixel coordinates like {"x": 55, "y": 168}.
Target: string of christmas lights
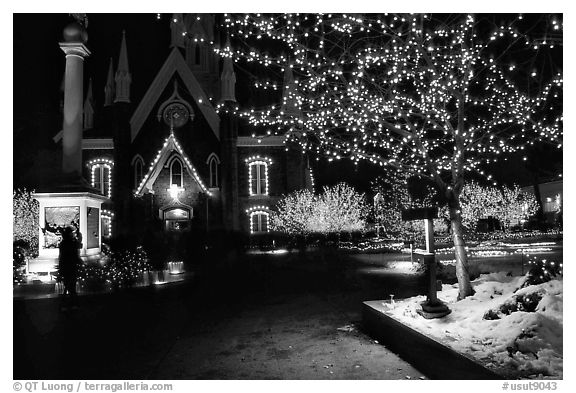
{"x": 403, "y": 92}
{"x": 172, "y": 143}
{"x": 101, "y": 164}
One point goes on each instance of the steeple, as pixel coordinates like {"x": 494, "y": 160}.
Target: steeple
{"x": 290, "y": 94}
{"x": 228, "y": 78}
{"x": 177, "y": 27}
{"x": 89, "y": 108}
{"x": 123, "y": 77}
{"x": 109, "y": 88}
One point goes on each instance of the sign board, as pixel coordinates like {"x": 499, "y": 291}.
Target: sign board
{"x": 423, "y": 213}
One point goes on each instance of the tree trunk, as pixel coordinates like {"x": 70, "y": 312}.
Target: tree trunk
{"x": 464, "y": 286}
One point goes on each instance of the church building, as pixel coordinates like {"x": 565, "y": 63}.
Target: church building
{"x": 172, "y": 161}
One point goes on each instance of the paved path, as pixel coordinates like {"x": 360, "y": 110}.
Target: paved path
{"x": 262, "y": 321}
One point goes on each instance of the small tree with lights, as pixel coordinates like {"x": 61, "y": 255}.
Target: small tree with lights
{"x": 515, "y": 206}
{"x": 432, "y": 96}
{"x": 478, "y": 201}
{"x": 25, "y": 220}
{"x": 293, "y": 213}
{"x": 391, "y": 198}
{"x": 337, "y": 209}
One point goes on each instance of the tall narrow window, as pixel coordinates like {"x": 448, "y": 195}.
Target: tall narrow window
{"x": 176, "y": 173}
{"x": 258, "y": 178}
{"x": 138, "y": 172}
{"x": 258, "y": 175}
{"x": 102, "y": 176}
{"x": 213, "y": 173}
{"x": 258, "y": 222}
{"x": 97, "y": 177}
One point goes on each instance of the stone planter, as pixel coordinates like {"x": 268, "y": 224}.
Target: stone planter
{"x": 428, "y": 355}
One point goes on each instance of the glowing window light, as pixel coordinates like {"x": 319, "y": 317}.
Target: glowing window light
{"x": 107, "y": 217}
{"x": 101, "y": 175}
{"x": 174, "y": 190}
{"x": 176, "y": 173}
{"x": 257, "y": 181}
{"x": 259, "y": 219}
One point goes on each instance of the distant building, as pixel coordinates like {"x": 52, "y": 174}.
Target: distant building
{"x": 170, "y": 161}
{"x": 551, "y": 199}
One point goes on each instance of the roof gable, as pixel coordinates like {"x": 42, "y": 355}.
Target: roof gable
{"x": 170, "y": 145}
{"x": 175, "y": 63}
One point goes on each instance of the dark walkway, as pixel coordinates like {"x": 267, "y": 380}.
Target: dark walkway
{"x": 276, "y": 317}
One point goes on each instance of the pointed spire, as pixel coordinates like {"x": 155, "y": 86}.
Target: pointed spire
{"x": 123, "y": 77}
{"x": 177, "y": 27}
{"x": 89, "y": 108}
{"x": 123, "y": 59}
{"x": 228, "y": 77}
{"x": 109, "y": 88}
{"x": 289, "y": 95}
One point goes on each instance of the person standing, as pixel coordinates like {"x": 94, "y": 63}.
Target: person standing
{"x": 69, "y": 259}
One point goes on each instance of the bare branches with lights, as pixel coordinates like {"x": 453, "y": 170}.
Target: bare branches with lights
{"x": 419, "y": 94}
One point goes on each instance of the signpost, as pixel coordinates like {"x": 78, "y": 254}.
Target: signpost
{"x": 432, "y": 307}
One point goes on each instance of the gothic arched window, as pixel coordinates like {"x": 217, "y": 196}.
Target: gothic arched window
{"x": 213, "y": 163}
{"x": 176, "y": 173}
{"x": 138, "y": 171}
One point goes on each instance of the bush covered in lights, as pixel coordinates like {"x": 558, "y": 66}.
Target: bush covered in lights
{"x": 25, "y": 221}
{"x": 542, "y": 270}
{"x": 508, "y": 204}
{"x": 391, "y": 196}
{"x": 124, "y": 267}
{"x": 338, "y": 209}
{"x": 92, "y": 277}
{"x": 19, "y": 255}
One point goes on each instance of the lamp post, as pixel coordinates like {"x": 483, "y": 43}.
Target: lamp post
{"x": 432, "y": 307}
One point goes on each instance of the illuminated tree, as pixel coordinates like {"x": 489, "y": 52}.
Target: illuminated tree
{"x": 391, "y": 197}
{"x": 338, "y": 209}
{"x": 476, "y": 202}
{"x": 293, "y": 213}
{"x": 515, "y": 206}
{"x": 435, "y": 96}
{"x": 25, "y": 220}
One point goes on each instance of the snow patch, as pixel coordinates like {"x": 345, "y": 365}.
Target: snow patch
{"x": 522, "y": 343}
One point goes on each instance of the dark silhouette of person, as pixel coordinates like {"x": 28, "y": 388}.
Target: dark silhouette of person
{"x": 69, "y": 259}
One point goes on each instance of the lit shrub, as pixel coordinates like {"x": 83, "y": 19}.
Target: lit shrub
{"x": 25, "y": 220}
{"x": 125, "y": 267}
{"x": 542, "y": 270}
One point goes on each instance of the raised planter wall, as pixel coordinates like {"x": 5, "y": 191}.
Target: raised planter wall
{"x": 431, "y": 357}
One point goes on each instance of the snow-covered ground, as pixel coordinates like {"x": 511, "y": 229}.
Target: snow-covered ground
{"x": 493, "y": 327}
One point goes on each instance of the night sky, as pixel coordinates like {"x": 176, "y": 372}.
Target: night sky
{"x": 39, "y": 73}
